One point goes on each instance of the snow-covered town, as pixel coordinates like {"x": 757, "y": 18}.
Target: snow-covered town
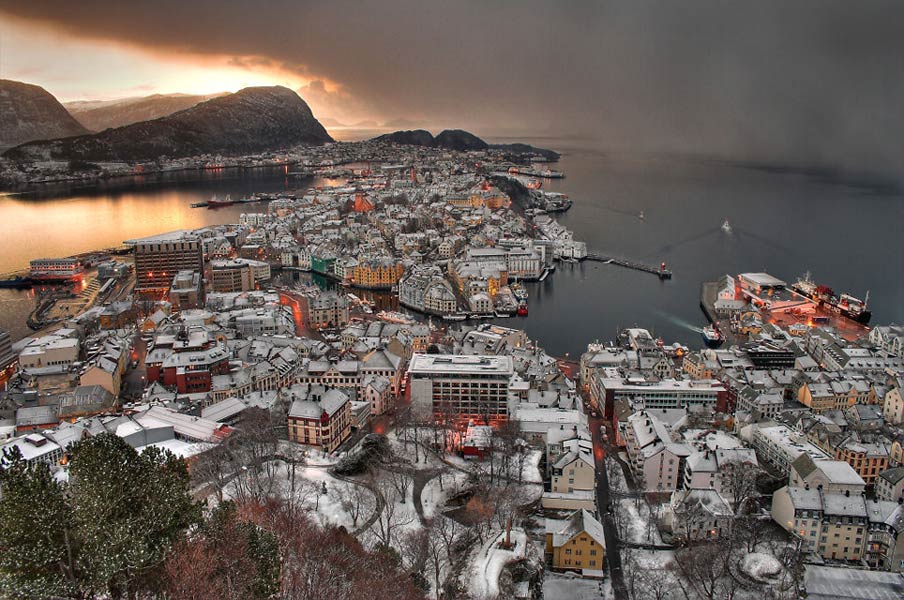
{"x": 352, "y": 355}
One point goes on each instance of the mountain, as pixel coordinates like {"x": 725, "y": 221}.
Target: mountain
{"x": 458, "y": 139}
{"x": 366, "y": 124}
{"x": 415, "y": 137}
{"x": 254, "y": 119}
{"x": 29, "y": 112}
{"x": 97, "y": 116}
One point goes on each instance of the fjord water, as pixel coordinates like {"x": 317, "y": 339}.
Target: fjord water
{"x": 848, "y": 233}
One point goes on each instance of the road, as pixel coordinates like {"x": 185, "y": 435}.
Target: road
{"x": 613, "y": 545}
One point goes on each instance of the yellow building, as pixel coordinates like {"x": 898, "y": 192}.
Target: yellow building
{"x": 822, "y": 397}
{"x": 377, "y": 273}
{"x": 576, "y": 544}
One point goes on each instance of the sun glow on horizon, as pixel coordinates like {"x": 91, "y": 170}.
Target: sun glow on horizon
{"x": 58, "y": 62}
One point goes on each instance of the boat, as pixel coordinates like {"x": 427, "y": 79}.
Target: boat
{"x": 640, "y": 216}
{"x": 522, "y": 309}
{"x": 217, "y": 203}
{"x": 395, "y": 317}
{"x": 457, "y": 317}
{"x": 501, "y": 315}
{"x": 17, "y": 282}
{"x": 712, "y": 336}
{"x": 544, "y": 275}
{"x": 848, "y": 306}
{"x": 726, "y": 226}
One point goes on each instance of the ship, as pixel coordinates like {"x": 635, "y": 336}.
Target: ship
{"x": 217, "y": 203}
{"x": 712, "y": 336}
{"x": 726, "y": 226}
{"x": 395, "y": 317}
{"x": 522, "y": 309}
{"x": 18, "y": 282}
{"x": 845, "y": 304}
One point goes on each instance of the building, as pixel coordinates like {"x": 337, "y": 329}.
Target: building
{"x": 698, "y": 514}
{"x": 49, "y": 351}
{"x": 830, "y": 475}
{"x": 779, "y": 446}
{"x": 318, "y": 416}
{"x": 327, "y": 311}
{"x": 463, "y": 388}
{"x": 576, "y": 544}
{"x": 574, "y": 471}
{"x": 893, "y": 404}
{"x": 55, "y": 269}
{"x": 830, "y": 524}
{"x": 377, "y": 273}
{"x": 378, "y": 393}
{"x": 186, "y": 291}
{"x": 229, "y": 276}
{"x": 9, "y": 361}
{"x": 158, "y": 258}
{"x": 890, "y": 485}
{"x": 668, "y": 393}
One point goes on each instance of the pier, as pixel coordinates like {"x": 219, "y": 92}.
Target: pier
{"x": 659, "y": 271}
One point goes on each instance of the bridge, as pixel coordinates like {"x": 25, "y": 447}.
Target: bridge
{"x": 659, "y": 271}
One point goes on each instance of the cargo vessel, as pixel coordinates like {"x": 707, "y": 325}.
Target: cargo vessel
{"x": 845, "y": 304}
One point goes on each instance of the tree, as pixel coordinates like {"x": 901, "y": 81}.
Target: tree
{"x": 356, "y": 502}
{"x": 226, "y": 558}
{"x": 705, "y": 569}
{"x": 392, "y": 517}
{"x": 252, "y": 449}
{"x": 105, "y": 533}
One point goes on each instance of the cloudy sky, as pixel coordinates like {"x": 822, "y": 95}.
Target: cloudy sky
{"x": 817, "y": 82}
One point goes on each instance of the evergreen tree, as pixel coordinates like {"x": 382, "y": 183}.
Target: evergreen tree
{"x": 105, "y": 533}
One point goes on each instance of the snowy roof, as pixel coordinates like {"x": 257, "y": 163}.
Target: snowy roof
{"x": 841, "y": 583}
{"x": 580, "y": 521}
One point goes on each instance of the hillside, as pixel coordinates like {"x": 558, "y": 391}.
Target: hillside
{"x": 255, "y": 119}
{"x": 29, "y": 112}
{"x": 97, "y": 116}
{"x": 457, "y": 139}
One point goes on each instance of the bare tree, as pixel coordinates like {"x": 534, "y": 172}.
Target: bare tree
{"x": 739, "y": 482}
{"x": 401, "y": 481}
{"x": 214, "y": 467}
{"x": 356, "y": 502}
{"x": 705, "y": 569}
{"x": 392, "y": 517}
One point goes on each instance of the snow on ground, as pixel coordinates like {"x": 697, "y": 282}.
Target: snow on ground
{"x": 616, "y": 476}
{"x": 482, "y": 578}
{"x": 532, "y": 467}
{"x": 326, "y": 508}
{"x": 563, "y": 586}
{"x": 760, "y": 566}
{"x": 427, "y": 459}
{"x": 637, "y": 524}
{"x": 651, "y": 559}
{"x": 433, "y": 499}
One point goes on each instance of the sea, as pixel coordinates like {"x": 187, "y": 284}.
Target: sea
{"x": 845, "y": 231}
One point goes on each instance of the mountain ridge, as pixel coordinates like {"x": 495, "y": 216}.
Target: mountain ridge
{"x": 254, "y": 119}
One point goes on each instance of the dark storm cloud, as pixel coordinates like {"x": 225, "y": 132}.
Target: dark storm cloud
{"x": 809, "y": 81}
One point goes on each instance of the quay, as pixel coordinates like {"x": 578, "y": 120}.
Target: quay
{"x": 659, "y": 271}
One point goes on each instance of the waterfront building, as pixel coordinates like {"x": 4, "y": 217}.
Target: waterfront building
{"x": 377, "y": 273}
{"x": 327, "y": 310}
{"x": 465, "y": 388}
{"x": 158, "y": 258}
{"x": 54, "y": 350}
{"x": 606, "y": 388}
{"x": 55, "y": 269}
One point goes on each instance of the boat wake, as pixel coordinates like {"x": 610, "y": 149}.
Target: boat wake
{"x": 678, "y": 321}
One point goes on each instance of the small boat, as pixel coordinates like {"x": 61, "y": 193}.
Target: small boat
{"x": 501, "y": 315}
{"x": 640, "y": 216}
{"x": 726, "y": 226}
{"x": 522, "y": 309}
{"x": 712, "y": 336}
{"x": 457, "y": 317}
{"x": 544, "y": 275}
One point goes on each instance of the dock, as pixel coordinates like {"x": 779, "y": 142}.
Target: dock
{"x": 659, "y": 271}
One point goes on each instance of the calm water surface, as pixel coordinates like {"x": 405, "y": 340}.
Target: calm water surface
{"x": 847, "y": 233}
